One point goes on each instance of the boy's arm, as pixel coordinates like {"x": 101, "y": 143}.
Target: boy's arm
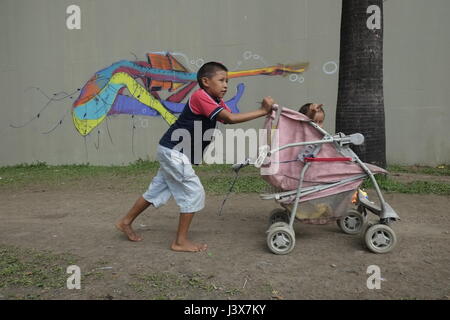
{"x": 230, "y": 118}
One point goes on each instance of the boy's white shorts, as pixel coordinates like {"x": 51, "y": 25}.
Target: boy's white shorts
{"x": 176, "y": 178}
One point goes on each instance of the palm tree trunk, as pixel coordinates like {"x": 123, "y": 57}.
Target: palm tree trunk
{"x": 360, "y": 105}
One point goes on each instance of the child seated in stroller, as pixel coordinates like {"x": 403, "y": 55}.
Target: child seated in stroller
{"x": 315, "y": 112}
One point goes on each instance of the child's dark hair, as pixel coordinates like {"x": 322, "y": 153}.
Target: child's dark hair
{"x": 208, "y": 70}
{"x": 305, "y": 108}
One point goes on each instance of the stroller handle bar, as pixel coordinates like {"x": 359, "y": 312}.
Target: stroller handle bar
{"x": 355, "y": 139}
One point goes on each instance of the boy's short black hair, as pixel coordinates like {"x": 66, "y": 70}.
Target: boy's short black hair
{"x": 208, "y": 70}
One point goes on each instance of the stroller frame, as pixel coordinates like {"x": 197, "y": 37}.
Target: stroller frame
{"x": 379, "y": 237}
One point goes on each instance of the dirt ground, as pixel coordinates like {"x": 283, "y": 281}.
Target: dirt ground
{"x": 325, "y": 263}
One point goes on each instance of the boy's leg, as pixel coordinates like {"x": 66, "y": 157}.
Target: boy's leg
{"x": 124, "y": 224}
{"x": 157, "y": 194}
{"x": 181, "y": 242}
{"x": 189, "y": 194}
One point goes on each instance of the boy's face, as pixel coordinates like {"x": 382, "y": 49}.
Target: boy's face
{"x": 217, "y": 85}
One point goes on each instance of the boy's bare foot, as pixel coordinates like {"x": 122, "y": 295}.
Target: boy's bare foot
{"x": 129, "y": 232}
{"x": 188, "y": 246}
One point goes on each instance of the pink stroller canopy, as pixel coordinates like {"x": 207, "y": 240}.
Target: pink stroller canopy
{"x": 294, "y": 127}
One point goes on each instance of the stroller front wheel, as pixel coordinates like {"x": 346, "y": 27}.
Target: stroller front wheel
{"x": 280, "y": 238}
{"x": 352, "y": 223}
{"x": 380, "y": 238}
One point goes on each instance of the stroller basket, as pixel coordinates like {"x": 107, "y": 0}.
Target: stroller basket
{"x": 322, "y": 210}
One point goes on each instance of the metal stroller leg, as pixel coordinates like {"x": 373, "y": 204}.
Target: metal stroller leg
{"x": 380, "y": 237}
{"x": 298, "y": 196}
{"x": 386, "y": 212}
{"x": 281, "y": 235}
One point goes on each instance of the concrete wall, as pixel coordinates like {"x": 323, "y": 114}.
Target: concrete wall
{"x": 38, "y": 51}
{"x": 416, "y": 85}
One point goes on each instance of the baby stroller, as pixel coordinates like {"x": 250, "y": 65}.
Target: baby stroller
{"x": 314, "y": 177}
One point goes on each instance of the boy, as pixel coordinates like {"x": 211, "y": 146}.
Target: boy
{"x": 176, "y": 176}
{"x": 315, "y": 112}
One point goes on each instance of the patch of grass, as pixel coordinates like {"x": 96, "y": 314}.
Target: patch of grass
{"x": 163, "y": 285}
{"x": 224, "y": 169}
{"x": 41, "y": 173}
{"x": 441, "y": 170}
{"x": 94, "y": 275}
{"x": 266, "y": 288}
{"x": 417, "y": 187}
{"x": 233, "y": 292}
{"x": 27, "y": 268}
{"x": 216, "y": 178}
{"x": 41, "y": 168}
{"x": 244, "y": 184}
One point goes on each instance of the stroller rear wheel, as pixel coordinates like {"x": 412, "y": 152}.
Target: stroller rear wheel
{"x": 280, "y": 238}
{"x": 380, "y": 238}
{"x": 352, "y": 223}
{"x": 278, "y": 215}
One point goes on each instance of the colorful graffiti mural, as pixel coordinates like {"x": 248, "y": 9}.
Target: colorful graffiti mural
{"x": 104, "y": 94}
{"x": 157, "y": 87}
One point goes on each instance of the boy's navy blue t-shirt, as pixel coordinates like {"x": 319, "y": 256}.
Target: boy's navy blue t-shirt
{"x": 198, "y": 115}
